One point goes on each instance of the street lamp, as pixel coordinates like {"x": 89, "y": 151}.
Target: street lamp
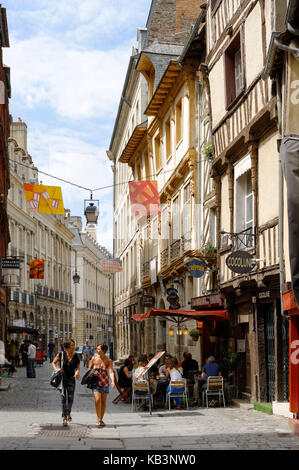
{"x": 91, "y": 211}
{"x": 171, "y": 332}
{"x": 76, "y": 278}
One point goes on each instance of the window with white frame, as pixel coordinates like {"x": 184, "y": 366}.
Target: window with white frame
{"x": 176, "y": 219}
{"x": 164, "y": 227}
{"x": 212, "y": 226}
{"x": 187, "y": 214}
{"x": 244, "y": 205}
{"x": 155, "y": 238}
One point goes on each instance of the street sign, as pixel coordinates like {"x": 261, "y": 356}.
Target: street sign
{"x": 10, "y": 263}
{"x": 196, "y": 268}
{"x": 150, "y": 364}
{"x": 148, "y": 301}
{"x": 240, "y": 262}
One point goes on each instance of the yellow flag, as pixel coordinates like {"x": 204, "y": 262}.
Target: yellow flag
{"x": 43, "y": 199}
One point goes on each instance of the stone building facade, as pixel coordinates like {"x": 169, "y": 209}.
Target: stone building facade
{"x": 42, "y": 304}
{"x": 92, "y": 296}
{"x": 4, "y": 163}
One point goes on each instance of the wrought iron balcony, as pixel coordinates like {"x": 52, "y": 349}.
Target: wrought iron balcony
{"x": 175, "y": 249}
{"x": 164, "y": 257}
{"x": 245, "y": 239}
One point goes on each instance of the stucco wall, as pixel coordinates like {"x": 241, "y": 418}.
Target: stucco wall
{"x": 268, "y": 180}
{"x": 254, "y": 47}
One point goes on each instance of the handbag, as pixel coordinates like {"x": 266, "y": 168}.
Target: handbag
{"x": 57, "y": 376}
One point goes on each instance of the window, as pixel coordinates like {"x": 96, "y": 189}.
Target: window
{"x": 244, "y": 205}
{"x": 164, "y": 227}
{"x": 157, "y": 152}
{"x": 155, "y": 238}
{"x": 176, "y": 219}
{"x": 167, "y": 139}
{"x": 234, "y": 73}
{"x": 178, "y": 121}
{"x": 212, "y": 226}
{"x": 187, "y": 217}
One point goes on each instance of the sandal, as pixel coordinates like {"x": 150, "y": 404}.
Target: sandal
{"x": 98, "y": 423}
{"x": 102, "y": 424}
{"x": 64, "y": 423}
{"x": 69, "y": 418}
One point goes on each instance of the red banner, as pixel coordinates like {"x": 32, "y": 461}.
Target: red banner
{"x": 145, "y": 198}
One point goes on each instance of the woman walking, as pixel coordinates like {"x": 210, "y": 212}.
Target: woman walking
{"x": 101, "y": 363}
{"x": 70, "y": 373}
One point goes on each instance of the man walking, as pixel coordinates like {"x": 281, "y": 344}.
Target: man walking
{"x": 86, "y": 351}
{"x": 31, "y": 360}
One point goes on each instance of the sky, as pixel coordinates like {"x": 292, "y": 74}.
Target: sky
{"x": 68, "y": 61}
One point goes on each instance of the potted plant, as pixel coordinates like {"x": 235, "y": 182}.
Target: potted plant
{"x": 195, "y": 333}
{"x": 208, "y": 255}
{"x": 208, "y": 151}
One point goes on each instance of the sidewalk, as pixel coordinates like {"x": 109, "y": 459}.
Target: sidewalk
{"x": 30, "y": 418}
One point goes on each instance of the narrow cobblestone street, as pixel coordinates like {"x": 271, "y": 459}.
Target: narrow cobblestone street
{"x": 30, "y": 419}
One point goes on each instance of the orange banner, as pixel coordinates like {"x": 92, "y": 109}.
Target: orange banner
{"x": 144, "y": 197}
{"x": 37, "y": 269}
{"x": 43, "y": 199}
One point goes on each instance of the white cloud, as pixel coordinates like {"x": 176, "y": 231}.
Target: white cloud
{"x": 76, "y": 83}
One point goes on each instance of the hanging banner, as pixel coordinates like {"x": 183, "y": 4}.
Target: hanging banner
{"x": 111, "y": 265}
{"x": 43, "y": 199}
{"x": 37, "y": 269}
{"x": 145, "y": 198}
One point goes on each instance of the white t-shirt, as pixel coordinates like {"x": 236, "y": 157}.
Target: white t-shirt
{"x": 175, "y": 375}
{"x": 31, "y": 351}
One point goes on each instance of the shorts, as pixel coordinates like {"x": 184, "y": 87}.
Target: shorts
{"x": 97, "y": 388}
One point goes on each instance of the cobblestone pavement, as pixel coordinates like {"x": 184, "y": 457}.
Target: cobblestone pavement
{"x": 30, "y": 418}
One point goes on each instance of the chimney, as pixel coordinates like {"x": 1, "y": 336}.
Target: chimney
{"x": 18, "y": 132}
{"x": 92, "y": 231}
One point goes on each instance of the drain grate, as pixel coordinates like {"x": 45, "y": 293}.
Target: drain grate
{"x": 89, "y": 395}
{"x": 59, "y": 431}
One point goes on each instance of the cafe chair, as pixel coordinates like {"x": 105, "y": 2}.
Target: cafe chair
{"x": 178, "y": 389}
{"x": 214, "y": 387}
{"x": 123, "y": 393}
{"x": 140, "y": 391}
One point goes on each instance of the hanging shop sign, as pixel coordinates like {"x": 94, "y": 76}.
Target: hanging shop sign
{"x": 173, "y": 298}
{"x": 148, "y": 301}
{"x": 10, "y": 272}
{"x": 196, "y": 268}
{"x": 240, "y": 262}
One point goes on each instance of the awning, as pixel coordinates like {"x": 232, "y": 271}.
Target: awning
{"x": 179, "y": 316}
{"x": 21, "y": 329}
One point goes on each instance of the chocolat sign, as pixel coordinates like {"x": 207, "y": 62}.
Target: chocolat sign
{"x": 240, "y": 262}
{"x": 196, "y": 268}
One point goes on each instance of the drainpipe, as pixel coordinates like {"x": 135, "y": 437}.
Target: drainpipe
{"x": 280, "y": 197}
{"x": 199, "y": 211}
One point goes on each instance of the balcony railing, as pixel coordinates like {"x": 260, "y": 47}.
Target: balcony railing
{"x": 164, "y": 257}
{"x": 175, "y": 249}
{"x": 245, "y": 239}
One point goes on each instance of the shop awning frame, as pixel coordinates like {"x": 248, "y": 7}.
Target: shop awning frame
{"x": 181, "y": 316}
{"x": 21, "y": 329}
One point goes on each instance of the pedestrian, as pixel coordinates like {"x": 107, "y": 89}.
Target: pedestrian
{"x": 175, "y": 373}
{"x": 70, "y": 362}
{"x": 51, "y": 348}
{"x": 86, "y": 351}
{"x": 31, "y": 354}
{"x": 101, "y": 363}
{"x": 12, "y": 352}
